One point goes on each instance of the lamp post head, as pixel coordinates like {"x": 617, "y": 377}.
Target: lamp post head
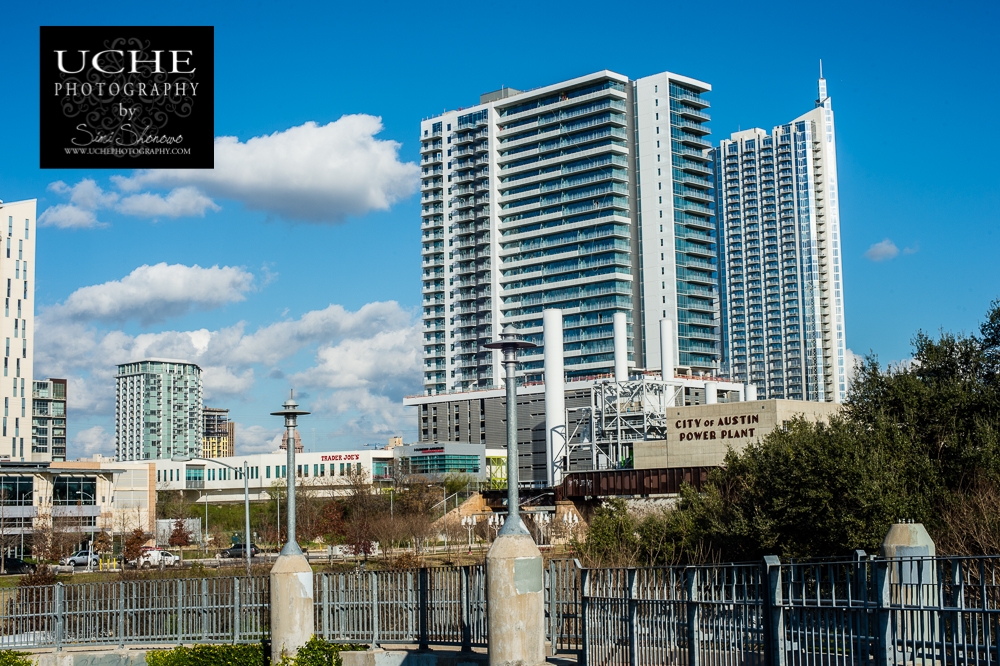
{"x": 290, "y": 411}
{"x": 508, "y": 343}
{"x": 181, "y": 457}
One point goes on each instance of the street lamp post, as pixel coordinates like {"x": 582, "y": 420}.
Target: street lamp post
{"x": 514, "y": 572}
{"x": 509, "y": 344}
{"x": 291, "y": 412}
{"x": 246, "y": 498}
{"x": 292, "y": 616}
{"x": 543, "y": 520}
{"x": 496, "y": 522}
{"x": 469, "y": 523}
{"x": 570, "y": 521}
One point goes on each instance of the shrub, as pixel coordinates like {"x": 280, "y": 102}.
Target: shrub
{"x": 11, "y": 658}
{"x": 210, "y": 655}
{"x": 42, "y": 575}
{"x": 317, "y": 652}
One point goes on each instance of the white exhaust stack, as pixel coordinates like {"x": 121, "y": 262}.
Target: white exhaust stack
{"x": 667, "y": 343}
{"x": 555, "y": 394}
{"x": 751, "y": 392}
{"x": 620, "y": 330}
{"x": 711, "y": 393}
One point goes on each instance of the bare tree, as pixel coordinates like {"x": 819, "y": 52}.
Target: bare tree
{"x": 180, "y": 536}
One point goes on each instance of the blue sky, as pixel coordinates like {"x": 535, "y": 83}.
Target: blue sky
{"x": 910, "y": 84}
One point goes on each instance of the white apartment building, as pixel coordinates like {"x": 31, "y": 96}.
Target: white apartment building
{"x": 158, "y": 409}
{"x": 592, "y": 196}
{"x": 17, "y": 259}
{"x": 783, "y": 318}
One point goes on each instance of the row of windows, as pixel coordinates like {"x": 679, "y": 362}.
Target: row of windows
{"x": 279, "y": 472}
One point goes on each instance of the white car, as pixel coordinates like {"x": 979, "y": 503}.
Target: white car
{"x": 79, "y": 559}
{"x": 154, "y": 557}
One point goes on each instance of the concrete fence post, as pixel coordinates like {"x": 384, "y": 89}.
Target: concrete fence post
{"x": 325, "y": 581}
{"x": 204, "y": 609}
{"x": 584, "y": 619}
{"x": 423, "y": 610}
{"x": 121, "y": 614}
{"x": 373, "y": 577}
{"x": 236, "y": 610}
{"x": 633, "y": 617}
{"x": 59, "y": 594}
{"x": 693, "y": 617}
{"x": 180, "y": 610}
{"x": 774, "y": 613}
{"x": 884, "y": 650}
{"x": 466, "y": 624}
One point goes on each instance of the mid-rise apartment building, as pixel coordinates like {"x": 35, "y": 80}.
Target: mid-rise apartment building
{"x": 779, "y": 219}
{"x": 158, "y": 409}
{"x": 48, "y": 417}
{"x": 17, "y": 259}
{"x": 216, "y": 428}
{"x": 592, "y": 195}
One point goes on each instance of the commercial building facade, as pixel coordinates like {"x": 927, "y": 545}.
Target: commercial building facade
{"x": 17, "y": 261}
{"x": 158, "y": 409}
{"x": 592, "y": 196}
{"x": 48, "y": 417}
{"x": 76, "y": 500}
{"x": 783, "y": 312}
{"x": 328, "y": 472}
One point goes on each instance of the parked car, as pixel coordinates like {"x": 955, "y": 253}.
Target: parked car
{"x": 79, "y": 559}
{"x": 239, "y": 551}
{"x": 155, "y": 557}
{"x": 14, "y": 565}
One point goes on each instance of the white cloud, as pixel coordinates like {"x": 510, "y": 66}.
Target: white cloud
{"x": 85, "y": 198}
{"x": 369, "y": 377}
{"x": 365, "y": 414}
{"x": 180, "y": 202}
{"x": 68, "y": 216}
{"x": 311, "y": 172}
{"x": 882, "y": 251}
{"x": 86, "y": 194}
{"x": 257, "y": 439}
{"x": 220, "y": 381}
{"x": 386, "y": 361}
{"x": 155, "y": 293}
{"x": 92, "y": 440}
{"x": 68, "y": 347}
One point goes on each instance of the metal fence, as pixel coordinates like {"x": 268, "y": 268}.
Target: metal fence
{"x": 193, "y": 610}
{"x": 433, "y": 606}
{"x": 911, "y": 611}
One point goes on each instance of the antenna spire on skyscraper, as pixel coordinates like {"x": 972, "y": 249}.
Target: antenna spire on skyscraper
{"x": 823, "y": 97}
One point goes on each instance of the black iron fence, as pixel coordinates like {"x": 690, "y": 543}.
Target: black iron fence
{"x": 910, "y": 611}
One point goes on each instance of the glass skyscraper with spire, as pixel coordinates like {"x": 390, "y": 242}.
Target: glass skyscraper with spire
{"x": 779, "y": 224}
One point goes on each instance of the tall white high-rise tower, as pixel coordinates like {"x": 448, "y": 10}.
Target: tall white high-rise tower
{"x": 17, "y": 258}
{"x": 779, "y": 220}
{"x": 592, "y": 196}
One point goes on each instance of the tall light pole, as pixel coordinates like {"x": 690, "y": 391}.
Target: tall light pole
{"x": 509, "y": 344}
{"x": 246, "y": 498}
{"x": 291, "y": 412}
{"x": 514, "y": 576}
{"x": 292, "y": 615}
